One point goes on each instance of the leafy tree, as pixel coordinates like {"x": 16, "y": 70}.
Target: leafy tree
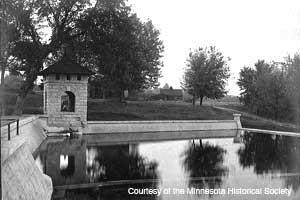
{"x": 8, "y": 34}
{"x": 246, "y": 84}
{"x": 126, "y": 51}
{"x": 264, "y": 90}
{"x": 206, "y": 74}
{"x": 31, "y": 51}
{"x": 293, "y": 85}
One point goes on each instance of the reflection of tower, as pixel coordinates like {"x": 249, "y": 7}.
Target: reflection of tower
{"x": 66, "y": 162}
{"x": 133, "y": 149}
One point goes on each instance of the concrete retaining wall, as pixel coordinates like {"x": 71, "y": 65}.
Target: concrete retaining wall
{"x": 159, "y": 126}
{"x": 124, "y": 138}
{"x": 22, "y": 179}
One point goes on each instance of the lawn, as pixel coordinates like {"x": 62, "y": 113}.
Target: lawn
{"x": 152, "y": 110}
{"x": 166, "y": 110}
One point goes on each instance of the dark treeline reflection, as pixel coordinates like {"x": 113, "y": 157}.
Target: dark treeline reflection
{"x": 118, "y": 162}
{"x": 272, "y": 154}
{"x": 75, "y": 161}
{"x": 204, "y": 163}
{"x": 113, "y": 163}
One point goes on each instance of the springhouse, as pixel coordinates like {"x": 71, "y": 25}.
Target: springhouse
{"x": 65, "y": 93}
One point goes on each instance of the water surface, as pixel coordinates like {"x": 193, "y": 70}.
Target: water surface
{"x": 85, "y": 169}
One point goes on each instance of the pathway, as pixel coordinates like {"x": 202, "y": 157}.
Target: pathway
{"x": 253, "y": 116}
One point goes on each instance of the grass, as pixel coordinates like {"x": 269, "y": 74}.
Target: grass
{"x": 165, "y": 110}
{"x": 152, "y": 110}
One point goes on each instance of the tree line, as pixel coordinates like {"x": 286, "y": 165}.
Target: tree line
{"x": 272, "y": 89}
{"x": 106, "y": 37}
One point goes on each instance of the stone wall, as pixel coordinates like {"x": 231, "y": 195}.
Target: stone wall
{"x": 158, "y": 126}
{"x": 54, "y": 90}
{"x": 22, "y": 179}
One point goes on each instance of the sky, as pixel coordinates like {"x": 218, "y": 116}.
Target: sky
{"x": 245, "y": 31}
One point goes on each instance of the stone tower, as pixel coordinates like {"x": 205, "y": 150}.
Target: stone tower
{"x": 65, "y": 93}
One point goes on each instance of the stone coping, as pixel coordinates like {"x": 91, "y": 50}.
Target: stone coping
{"x": 158, "y": 121}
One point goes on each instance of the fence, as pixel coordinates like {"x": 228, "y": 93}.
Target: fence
{"x": 8, "y": 123}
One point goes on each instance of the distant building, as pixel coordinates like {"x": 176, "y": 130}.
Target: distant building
{"x": 168, "y": 94}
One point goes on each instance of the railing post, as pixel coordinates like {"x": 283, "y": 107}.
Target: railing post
{"x": 17, "y": 126}
{"x": 8, "y": 131}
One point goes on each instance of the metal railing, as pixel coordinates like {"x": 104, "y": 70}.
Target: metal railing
{"x": 8, "y": 124}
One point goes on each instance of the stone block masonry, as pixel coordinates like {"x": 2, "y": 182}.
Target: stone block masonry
{"x": 54, "y": 90}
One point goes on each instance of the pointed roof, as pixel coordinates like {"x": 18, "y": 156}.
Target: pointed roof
{"x": 66, "y": 66}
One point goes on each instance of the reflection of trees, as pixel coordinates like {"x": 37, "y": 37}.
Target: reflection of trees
{"x": 270, "y": 153}
{"x": 203, "y": 162}
{"x": 113, "y": 163}
{"x": 118, "y": 163}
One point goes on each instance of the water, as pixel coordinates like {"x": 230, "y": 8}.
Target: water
{"x": 86, "y": 169}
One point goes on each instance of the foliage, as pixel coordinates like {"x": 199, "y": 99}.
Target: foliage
{"x": 293, "y": 85}
{"x": 13, "y": 82}
{"x": 30, "y": 50}
{"x": 271, "y": 90}
{"x": 126, "y": 51}
{"x": 206, "y": 74}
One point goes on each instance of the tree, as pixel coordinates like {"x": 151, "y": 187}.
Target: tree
{"x": 293, "y": 85}
{"x": 246, "y": 84}
{"x": 264, "y": 90}
{"x": 206, "y": 74}
{"x": 8, "y": 34}
{"x": 127, "y": 51}
{"x": 30, "y": 51}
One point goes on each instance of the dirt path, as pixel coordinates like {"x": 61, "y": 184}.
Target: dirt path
{"x": 253, "y": 116}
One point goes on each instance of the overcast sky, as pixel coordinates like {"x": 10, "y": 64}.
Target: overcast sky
{"x": 243, "y": 30}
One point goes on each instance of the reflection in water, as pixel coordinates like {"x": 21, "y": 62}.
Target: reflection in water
{"x": 272, "y": 154}
{"x": 118, "y": 162}
{"x": 73, "y": 161}
{"x": 115, "y": 163}
{"x": 204, "y": 163}
{"x": 106, "y": 193}
{"x": 64, "y": 161}
{"x": 67, "y": 165}
{"x": 215, "y": 163}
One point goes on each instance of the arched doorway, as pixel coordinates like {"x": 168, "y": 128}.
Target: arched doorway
{"x": 68, "y": 102}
